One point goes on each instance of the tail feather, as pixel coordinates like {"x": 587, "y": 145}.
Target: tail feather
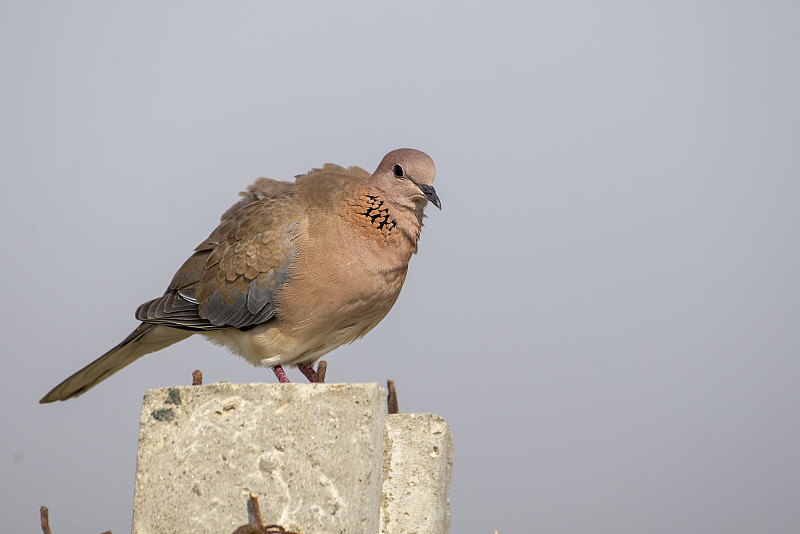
{"x": 145, "y": 339}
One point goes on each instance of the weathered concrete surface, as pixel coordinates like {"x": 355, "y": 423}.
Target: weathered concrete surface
{"x": 417, "y": 467}
{"x": 311, "y": 452}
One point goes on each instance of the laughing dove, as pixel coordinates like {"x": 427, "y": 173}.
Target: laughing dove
{"x": 293, "y": 271}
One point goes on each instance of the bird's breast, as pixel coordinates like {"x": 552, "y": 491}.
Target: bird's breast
{"x": 343, "y": 284}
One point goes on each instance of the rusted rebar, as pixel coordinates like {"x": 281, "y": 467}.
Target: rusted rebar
{"x": 322, "y": 367}
{"x": 44, "y": 513}
{"x": 391, "y": 398}
{"x": 256, "y": 510}
{"x": 258, "y": 526}
{"x": 197, "y": 378}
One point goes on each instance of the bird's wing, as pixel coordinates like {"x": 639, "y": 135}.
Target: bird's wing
{"x": 233, "y": 277}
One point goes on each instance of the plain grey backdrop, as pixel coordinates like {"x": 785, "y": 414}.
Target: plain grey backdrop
{"x": 605, "y": 310}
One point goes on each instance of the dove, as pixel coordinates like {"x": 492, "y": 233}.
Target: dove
{"x": 293, "y": 271}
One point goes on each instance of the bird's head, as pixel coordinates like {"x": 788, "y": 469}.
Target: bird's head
{"x": 405, "y": 177}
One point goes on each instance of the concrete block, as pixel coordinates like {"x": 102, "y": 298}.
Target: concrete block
{"x": 417, "y": 467}
{"x": 311, "y": 452}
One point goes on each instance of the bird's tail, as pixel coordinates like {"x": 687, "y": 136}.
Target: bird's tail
{"x": 145, "y": 339}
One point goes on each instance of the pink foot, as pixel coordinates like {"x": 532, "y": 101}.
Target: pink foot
{"x": 281, "y": 374}
{"x": 308, "y": 370}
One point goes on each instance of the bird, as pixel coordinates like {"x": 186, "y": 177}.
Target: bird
{"x": 293, "y": 270}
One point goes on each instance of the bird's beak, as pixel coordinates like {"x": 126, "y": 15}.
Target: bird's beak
{"x": 430, "y": 194}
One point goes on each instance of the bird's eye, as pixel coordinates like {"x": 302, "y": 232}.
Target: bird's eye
{"x": 398, "y": 171}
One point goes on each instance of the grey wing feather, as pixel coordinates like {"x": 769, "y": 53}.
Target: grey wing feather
{"x": 233, "y": 281}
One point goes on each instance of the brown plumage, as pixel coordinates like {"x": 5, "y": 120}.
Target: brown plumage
{"x": 293, "y": 271}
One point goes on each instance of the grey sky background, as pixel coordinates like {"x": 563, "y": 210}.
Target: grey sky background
{"x": 605, "y": 310}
